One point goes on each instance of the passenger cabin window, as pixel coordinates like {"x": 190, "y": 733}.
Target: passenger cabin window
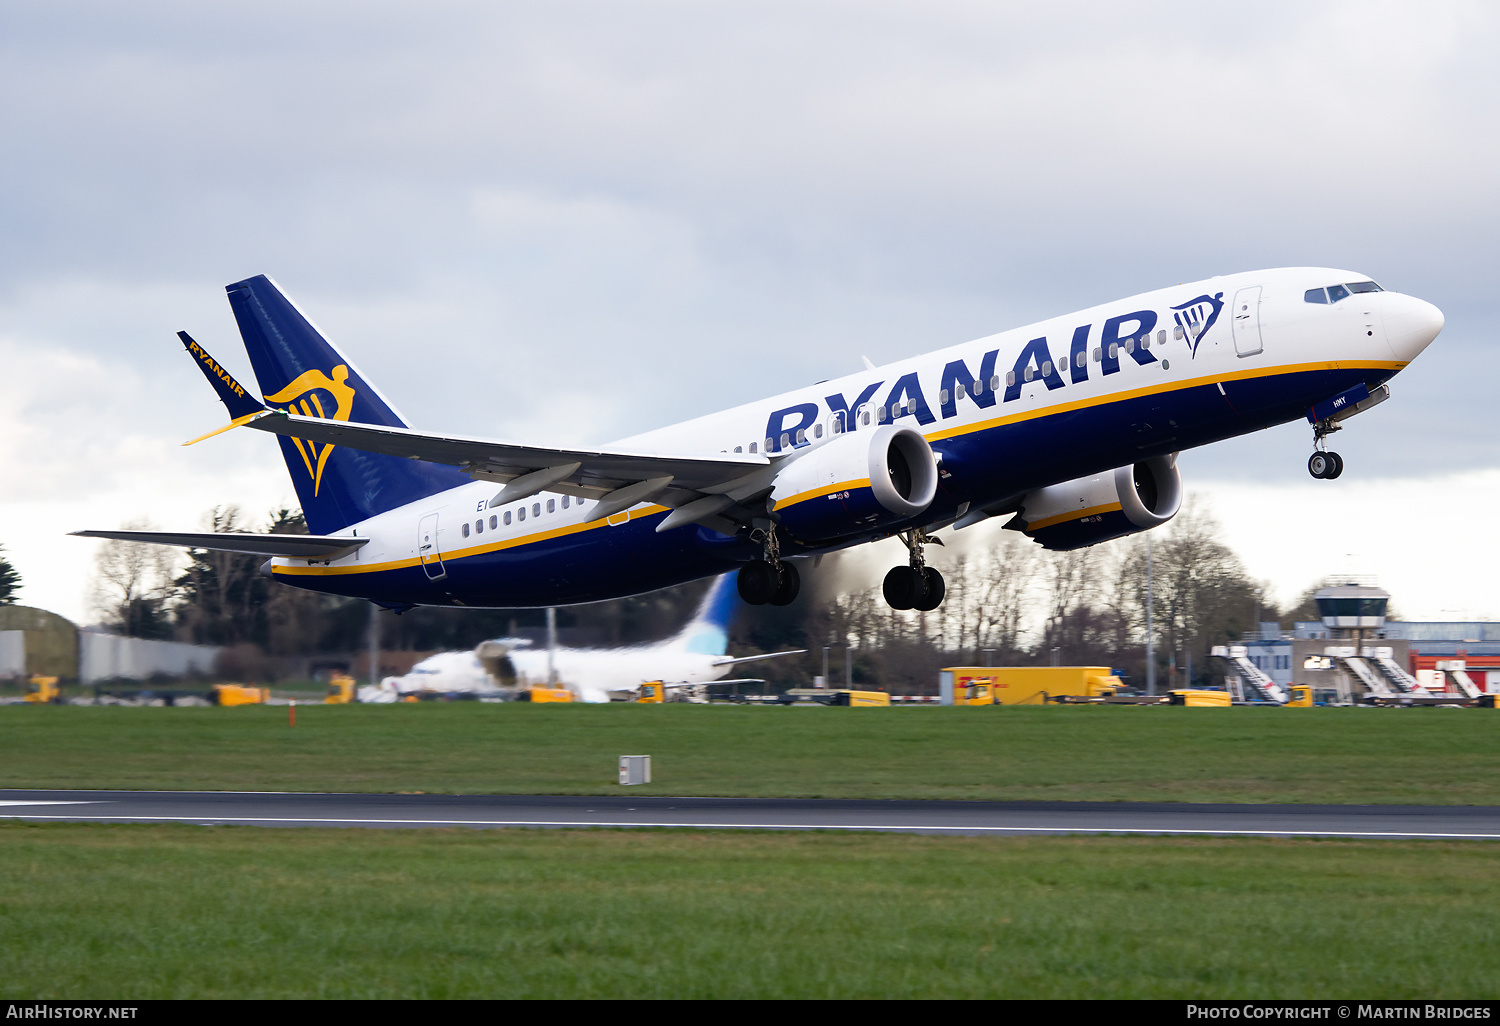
{"x": 752, "y": 447}
{"x": 1010, "y": 378}
{"x": 565, "y": 501}
{"x": 1315, "y": 296}
{"x": 521, "y": 513}
{"x": 995, "y": 383}
{"x": 551, "y": 505}
{"x": 479, "y": 527}
{"x": 465, "y": 530}
{"x": 741, "y": 449}
{"x": 1161, "y": 337}
{"x": 1336, "y": 293}
{"x": 1176, "y": 333}
{"x": 507, "y": 518}
{"x": 536, "y": 509}
{"x": 817, "y": 430}
{"x": 494, "y": 523}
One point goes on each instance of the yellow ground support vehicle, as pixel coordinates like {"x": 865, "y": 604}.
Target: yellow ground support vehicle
{"x": 1301, "y": 697}
{"x": 1026, "y": 685}
{"x": 980, "y": 691}
{"x": 43, "y": 689}
{"x": 547, "y": 695}
{"x": 844, "y": 697}
{"x": 653, "y": 692}
{"x": 1187, "y": 696}
{"x": 240, "y": 694}
{"x": 340, "y": 689}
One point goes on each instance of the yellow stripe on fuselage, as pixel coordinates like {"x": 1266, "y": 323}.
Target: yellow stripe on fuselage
{"x": 462, "y": 553}
{"x": 1166, "y": 386}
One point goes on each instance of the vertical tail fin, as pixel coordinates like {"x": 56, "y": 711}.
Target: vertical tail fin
{"x": 302, "y": 372}
{"x": 708, "y": 632}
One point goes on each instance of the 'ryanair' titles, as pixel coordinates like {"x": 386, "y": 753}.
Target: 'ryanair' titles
{"x": 1125, "y": 335}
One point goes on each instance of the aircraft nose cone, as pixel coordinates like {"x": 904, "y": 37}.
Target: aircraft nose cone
{"x": 1412, "y": 326}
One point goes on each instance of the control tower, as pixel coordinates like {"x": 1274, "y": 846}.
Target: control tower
{"x": 1351, "y": 610}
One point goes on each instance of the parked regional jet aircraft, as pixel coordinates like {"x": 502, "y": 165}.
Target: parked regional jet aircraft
{"x": 696, "y": 655}
{"x": 1070, "y": 426}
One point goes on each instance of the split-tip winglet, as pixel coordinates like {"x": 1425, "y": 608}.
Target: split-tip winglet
{"x": 242, "y": 406}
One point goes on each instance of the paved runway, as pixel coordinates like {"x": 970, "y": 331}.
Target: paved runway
{"x": 937, "y": 817}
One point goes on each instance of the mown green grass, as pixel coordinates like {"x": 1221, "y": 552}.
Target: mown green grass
{"x": 1107, "y": 754}
{"x": 95, "y": 911}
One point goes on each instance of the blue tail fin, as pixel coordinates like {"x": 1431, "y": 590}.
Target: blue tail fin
{"x": 708, "y": 633}
{"x": 300, "y": 371}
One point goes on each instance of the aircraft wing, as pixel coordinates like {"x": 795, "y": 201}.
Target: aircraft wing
{"x": 295, "y": 546}
{"x": 695, "y": 487}
{"x": 755, "y": 658}
{"x": 597, "y": 472}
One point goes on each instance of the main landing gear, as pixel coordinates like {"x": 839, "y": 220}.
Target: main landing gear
{"x": 1323, "y": 464}
{"x": 917, "y": 586}
{"x": 769, "y": 580}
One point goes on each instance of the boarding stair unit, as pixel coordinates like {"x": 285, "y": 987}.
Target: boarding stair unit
{"x": 1382, "y": 658}
{"x": 1456, "y": 669}
{"x": 1347, "y": 656}
{"x": 1255, "y": 683}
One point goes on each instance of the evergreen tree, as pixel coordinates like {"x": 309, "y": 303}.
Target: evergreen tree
{"x": 10, "y": 581}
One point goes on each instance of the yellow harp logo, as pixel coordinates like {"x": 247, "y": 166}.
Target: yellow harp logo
{"x": 306, "y": 395}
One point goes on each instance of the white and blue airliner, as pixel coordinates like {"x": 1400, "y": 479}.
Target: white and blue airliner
{"x": 1069, "y": 427}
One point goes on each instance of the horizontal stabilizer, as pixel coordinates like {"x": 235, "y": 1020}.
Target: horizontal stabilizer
{"x": 292, "y": 546}
{"x": 754, "y": 658}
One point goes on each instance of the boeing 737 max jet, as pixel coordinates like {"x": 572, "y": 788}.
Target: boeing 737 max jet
{"x": 1069, "y": 427}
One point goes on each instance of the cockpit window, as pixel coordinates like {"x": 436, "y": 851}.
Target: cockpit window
{"x": 1364, "y": 286}
{"x": 1315, "y": 296}
{"x": 1337, "y": 292}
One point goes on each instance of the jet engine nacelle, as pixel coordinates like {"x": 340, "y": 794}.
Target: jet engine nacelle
{"x": 1090, "y": 510}
{"x": 855, "y": 481}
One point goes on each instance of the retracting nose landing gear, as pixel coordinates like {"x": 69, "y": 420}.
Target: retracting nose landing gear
{"x": 769, "y": 580}
{"x": 917, "y": 586}
{"x": 1325, "y": 465}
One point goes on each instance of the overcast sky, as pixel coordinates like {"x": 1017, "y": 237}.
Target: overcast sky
{"x": 568, "y": 222}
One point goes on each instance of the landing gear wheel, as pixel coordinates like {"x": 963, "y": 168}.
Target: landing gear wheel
{"x": 933, "y": 591}
{"x": 1319, "y": 465}
{"x": 902, "y": 588}
{"x": 1338, "y": 466}
{"x": 757, "y": 582}
{"x": 787, "y": 587}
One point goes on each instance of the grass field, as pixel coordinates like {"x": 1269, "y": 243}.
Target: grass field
{"x": 1445, "y": 756}
{"x": 173, "y": 911}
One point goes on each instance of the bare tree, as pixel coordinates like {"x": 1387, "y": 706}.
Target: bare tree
{"x": 1203, "y": 595}
{"x": 132, "y": 585}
